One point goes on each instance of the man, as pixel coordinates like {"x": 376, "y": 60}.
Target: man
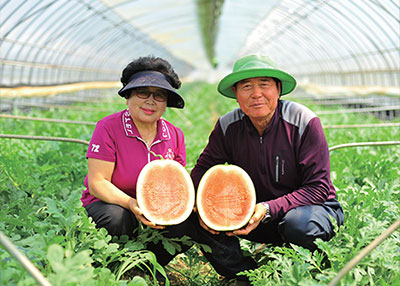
{"x": 281, "y": 145}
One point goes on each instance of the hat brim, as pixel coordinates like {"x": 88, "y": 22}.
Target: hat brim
{"x": 225, "y": 85}
{"x": 154, "y": 79}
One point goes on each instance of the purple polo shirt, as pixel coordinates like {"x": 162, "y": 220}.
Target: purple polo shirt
{"x": 116, "y": 139}
{"x": 289, "y": 163}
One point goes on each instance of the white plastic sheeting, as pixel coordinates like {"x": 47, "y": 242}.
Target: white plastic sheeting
{"x": 328, "y": 42}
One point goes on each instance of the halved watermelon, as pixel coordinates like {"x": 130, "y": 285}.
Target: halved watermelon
{"x": 165, "y": 192}
{"x": 226, "y": 198}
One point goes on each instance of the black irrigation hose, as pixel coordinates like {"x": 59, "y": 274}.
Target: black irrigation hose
{"x": 46, "y": 119}
{"x": 363, "y": 144}
{"x": 360, "y": 125}
{"x": 55, "y": 106}
{"x": 23, "y": 260}
{"x": 62, "y": 139}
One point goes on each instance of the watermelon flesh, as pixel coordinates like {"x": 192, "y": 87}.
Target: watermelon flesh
{"x": 226, "y": 198}
{"x": 165, "y": 192}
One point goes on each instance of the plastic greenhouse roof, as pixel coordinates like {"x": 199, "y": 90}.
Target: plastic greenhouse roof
{"x": 337, "y": 42}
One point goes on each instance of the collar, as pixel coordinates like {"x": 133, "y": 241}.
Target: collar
{"x": 131, "y": 130}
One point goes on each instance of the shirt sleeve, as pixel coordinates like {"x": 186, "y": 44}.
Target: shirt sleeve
{"x": 314, "y": 168}
{"x": 214, "y": 153}
{"x": 102, "y": 144}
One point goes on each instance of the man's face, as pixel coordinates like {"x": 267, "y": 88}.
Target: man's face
{"x": 257, "y": 97}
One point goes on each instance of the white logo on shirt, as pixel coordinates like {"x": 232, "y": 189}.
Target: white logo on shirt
{"x": 128, "y": 126}
{"x": 95, "y": 148}
{"x": 164, "y": 128}
{"x": 170, "y": 154}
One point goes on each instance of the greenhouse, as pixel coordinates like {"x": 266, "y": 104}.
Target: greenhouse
{"x": 74, "y": 73}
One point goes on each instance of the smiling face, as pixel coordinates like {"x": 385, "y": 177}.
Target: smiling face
{"x": 146, "y": 111}
{"x": 258, "y": 98}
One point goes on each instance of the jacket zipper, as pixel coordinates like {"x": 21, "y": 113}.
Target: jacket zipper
{"x": 277, "y": 159}
{"x": 262, "y": 156}
{"x": 149, "y": 147}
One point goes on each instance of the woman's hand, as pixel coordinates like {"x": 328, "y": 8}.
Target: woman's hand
{"x": 100, "y": 186}
{"x": 259, "y": 213}
{"x": 134, "y": 208}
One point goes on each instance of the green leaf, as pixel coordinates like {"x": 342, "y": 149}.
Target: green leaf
{"x": 168, "y": 246}
{"x": 55, "y": 253}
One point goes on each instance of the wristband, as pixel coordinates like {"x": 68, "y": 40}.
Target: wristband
{"x": 267, "y": 216}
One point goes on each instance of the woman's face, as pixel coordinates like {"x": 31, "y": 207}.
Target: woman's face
{"x": 147, "y": 104}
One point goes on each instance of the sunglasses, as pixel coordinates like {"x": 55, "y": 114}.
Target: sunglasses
{"x": 158, "y": 95}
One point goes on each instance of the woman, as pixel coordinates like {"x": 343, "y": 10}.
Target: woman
{"x": 122, "y": 144}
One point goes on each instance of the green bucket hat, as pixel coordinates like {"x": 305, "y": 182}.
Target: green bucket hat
{"x": 255, "y": 66}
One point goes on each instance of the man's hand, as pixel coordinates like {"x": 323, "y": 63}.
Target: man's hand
{"x": 133, "y": 206}
{"x": 203, "y": 225}
{"x": 259, "y": 213}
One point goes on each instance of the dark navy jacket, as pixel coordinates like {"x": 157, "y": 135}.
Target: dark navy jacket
{"x": 289, "y": 164}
